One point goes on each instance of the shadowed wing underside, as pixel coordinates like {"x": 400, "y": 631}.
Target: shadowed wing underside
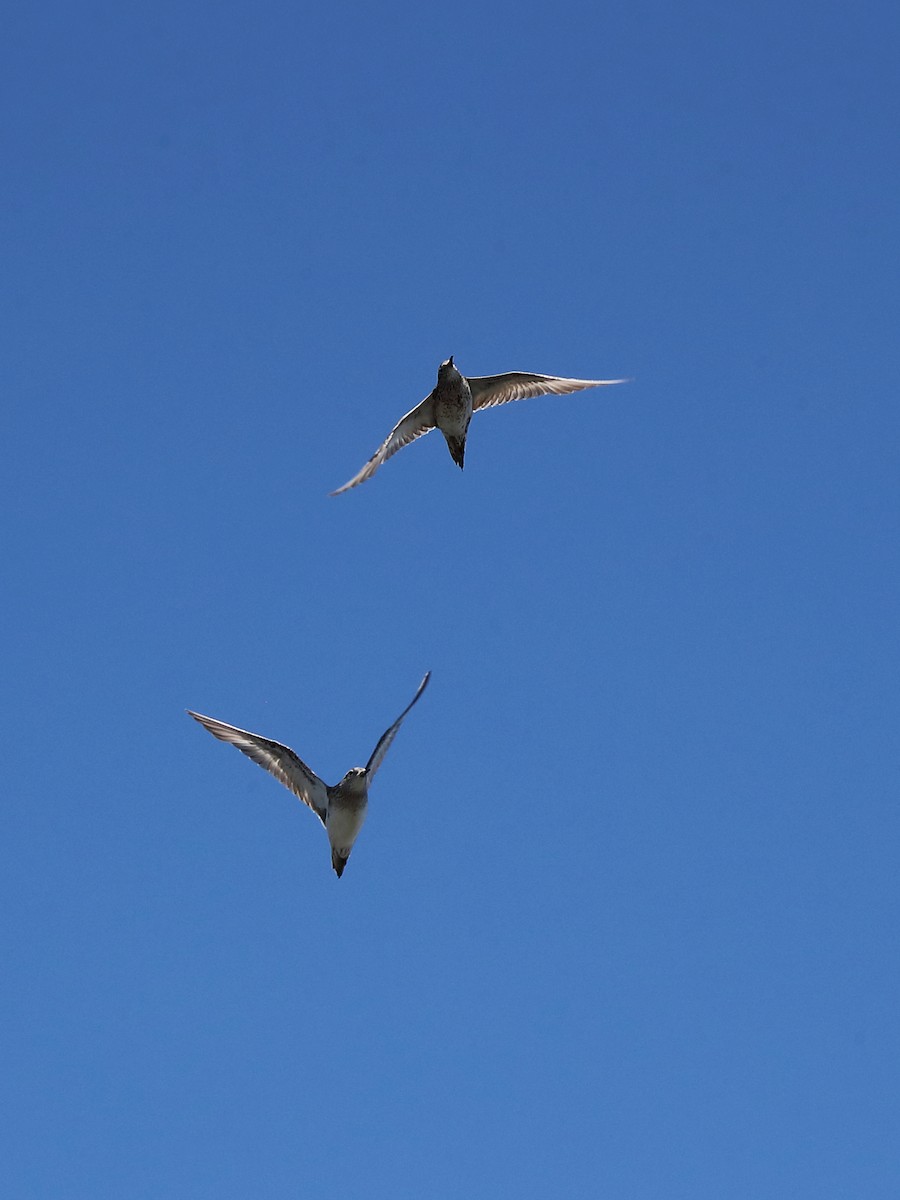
{"x": 278, "y": 760}
{"x": 384, "y": 742}
{"x": 416, "y": 422}
{"x": 489, "y": 390}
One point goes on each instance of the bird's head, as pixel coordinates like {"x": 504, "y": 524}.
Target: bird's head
{"x": 446, "y": 368}
{"x": 355, "y": 779}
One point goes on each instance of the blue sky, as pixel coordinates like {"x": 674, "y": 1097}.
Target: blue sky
{"x": 623, "y": 918}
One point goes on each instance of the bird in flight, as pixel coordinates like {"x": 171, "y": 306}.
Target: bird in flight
{"x": 342, "y": 808}
{"x": 450, "y": 406}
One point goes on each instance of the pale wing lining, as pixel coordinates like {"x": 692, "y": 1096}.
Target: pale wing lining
{"x": 278, "y": 760}
{"x": 417, "y": 421}
{"x": 489, "y": 390}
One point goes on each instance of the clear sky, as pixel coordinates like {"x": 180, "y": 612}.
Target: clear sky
{"x": 623, "y": 921}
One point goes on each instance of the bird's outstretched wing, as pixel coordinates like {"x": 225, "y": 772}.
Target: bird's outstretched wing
{"x": 278, "y": 760}
{"x": 388, "y": 736}
{"x": 416, "y": 422}
{"x": 488, "y": 390}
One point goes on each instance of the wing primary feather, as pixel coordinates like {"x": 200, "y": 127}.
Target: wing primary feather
{"x": 417, "y": 421}
{"x": 281, "y": 761}
{"x": 490, "y": 390}
{"x": 388, "y": 736}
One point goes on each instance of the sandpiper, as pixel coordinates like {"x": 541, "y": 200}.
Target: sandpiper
{"x": 342, "y": 808}
{"x": 450, "y": 406}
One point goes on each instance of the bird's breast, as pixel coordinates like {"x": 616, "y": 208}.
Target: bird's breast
{"x": 453, "y": 407}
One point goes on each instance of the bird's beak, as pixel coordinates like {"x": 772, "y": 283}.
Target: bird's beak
{"x": 451, "y": 360}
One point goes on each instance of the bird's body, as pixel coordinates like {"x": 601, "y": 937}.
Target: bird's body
{"x": 451, "y": 403}
{"x": 449, "y": 408}
{"x": 344, "y": 818}
{"x": 341, "y": 808}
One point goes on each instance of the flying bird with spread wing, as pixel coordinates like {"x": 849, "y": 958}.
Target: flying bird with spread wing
{"x": 450, "y": 406}
{"x": 341, "y": 808}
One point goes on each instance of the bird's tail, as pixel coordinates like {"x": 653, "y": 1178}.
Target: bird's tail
{"x": 338, "y": 861}
{"x": 457, "y": 448}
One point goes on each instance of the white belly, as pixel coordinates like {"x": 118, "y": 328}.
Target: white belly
{"x": 344, "y": 825}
